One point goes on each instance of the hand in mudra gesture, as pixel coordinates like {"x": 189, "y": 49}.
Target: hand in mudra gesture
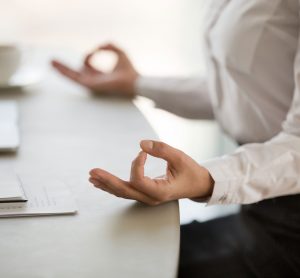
{"x": 120, "y": 80}
{"x": 184, "y": 177}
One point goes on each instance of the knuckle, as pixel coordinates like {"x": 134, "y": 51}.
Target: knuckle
{"x": 153, "y": 203}
{"x": 161, "y": 147}
{"x": 181, "y": 157}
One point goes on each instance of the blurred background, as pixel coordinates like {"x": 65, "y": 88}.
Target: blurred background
{"x": 163, "y": 38}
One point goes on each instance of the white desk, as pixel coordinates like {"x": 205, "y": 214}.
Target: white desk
{"x": 64, "y": 133}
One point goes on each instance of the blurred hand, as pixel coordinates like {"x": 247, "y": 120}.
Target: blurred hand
{"x": 121, "y": 80}
{"x": 184, "y": 177}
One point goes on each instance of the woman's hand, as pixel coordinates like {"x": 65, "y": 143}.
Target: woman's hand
{"x": 184, "y": 177}
{"x": 120, "y": 80}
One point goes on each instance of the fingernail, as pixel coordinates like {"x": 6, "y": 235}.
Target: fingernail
{"x": 147, "y": 144}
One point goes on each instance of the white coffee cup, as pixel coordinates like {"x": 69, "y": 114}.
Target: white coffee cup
{"x": 10, "y": 60}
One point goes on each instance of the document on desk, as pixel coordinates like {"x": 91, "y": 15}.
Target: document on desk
{"x": 44, "y": 198}
{"x": 10, "y": 188}
{"x": 9, "y": 128}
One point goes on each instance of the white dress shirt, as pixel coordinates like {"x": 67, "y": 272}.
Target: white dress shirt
{"x": 252, "y": 89}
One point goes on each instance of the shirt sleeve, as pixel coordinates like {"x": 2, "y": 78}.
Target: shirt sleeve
{"x": 261, "y": 171}
{"x": 186, "y": 97}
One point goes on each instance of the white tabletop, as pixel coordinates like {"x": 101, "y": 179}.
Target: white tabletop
{"x": 64, "y": 133}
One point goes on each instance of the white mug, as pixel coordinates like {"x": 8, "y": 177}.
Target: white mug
{"x": 10, "y": 60}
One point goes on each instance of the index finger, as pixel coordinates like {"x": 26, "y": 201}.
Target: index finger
{"x": 112, "y": 48}
{"x": 137, "y": 167}
{"x": 87, "y": 63}
{"x": 154, "y": 188}
{"x": 119, "y": 187}
{"x": 67, "y": 71}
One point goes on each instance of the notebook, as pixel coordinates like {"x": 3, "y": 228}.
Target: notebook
{"x": 11, "y": 189}
{"x": 44, "y": 197}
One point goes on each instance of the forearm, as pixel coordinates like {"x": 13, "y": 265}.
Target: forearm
{"x": 186, "y": 97}
{"x": 257, "y": 171}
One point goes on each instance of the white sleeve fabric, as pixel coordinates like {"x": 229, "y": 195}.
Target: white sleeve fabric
{"x": 262, "y": 171}
{"x": 186, "y": 97}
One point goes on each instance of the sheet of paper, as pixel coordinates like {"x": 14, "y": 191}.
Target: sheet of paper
{"x": 9, "y": 136}
{"x": 9, "y": 129}
{"x": 8, "y": 111}
{"x": 44, "y": 198}
{"x": 10, "y": 188}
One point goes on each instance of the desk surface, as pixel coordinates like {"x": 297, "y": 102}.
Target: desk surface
{"x": 64, "y": 133}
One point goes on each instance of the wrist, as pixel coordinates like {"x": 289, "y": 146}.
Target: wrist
{"x": 207, "y": 187}
{"x": 130, "y": 87}
{"x": 209, "y": 184}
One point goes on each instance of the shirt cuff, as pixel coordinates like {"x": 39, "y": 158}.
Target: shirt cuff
{"x": 226, "y": 183}
{"x": 146, "y": 86}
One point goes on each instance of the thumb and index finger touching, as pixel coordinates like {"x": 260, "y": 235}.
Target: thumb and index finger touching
{"x": 74, "y": 74}
{"x": 156, "y": 149}
{"x": 109, "y": 46}
{"x": 161, "y": 150}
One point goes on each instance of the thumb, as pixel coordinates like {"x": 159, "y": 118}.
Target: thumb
{"x": 161, "y": 150}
